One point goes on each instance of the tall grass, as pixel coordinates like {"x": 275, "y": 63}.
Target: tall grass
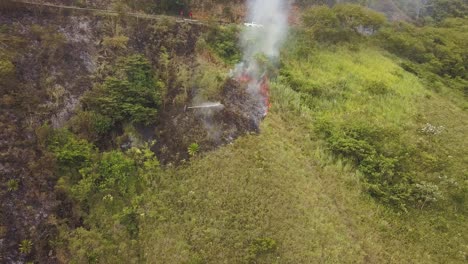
{"x": 284, "y": 185}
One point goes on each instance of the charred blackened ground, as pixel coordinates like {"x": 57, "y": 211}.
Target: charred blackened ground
{"x": 208, "y": 127}
{"x": 53, "y": 61}
{"x": 57, "y": 58}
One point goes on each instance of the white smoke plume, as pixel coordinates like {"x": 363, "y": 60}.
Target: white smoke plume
{"x": 271, "y": 16}
{"x": 265, "y": 31}
{"x": 263, "y": 35}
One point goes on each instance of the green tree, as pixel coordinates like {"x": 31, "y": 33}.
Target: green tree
{"x": 343, "y": 22}
{"x": 441, "y": 9}
{"x": 113, "y": 174}
{"x": 90, "y": 125}
{"x": 441, "y": 50}
{"x": 131, "y": 95}
{"x": 355, "y": 17}
{"x": 223, "y": 41}
{"x": 69, "y": 151}
{"x": 322, "y": 23}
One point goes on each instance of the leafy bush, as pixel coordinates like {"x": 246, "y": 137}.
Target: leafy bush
{"x": 25, "y": 247}
{"x": 7, "y": 69}
{"x": 377, "y": 88}
{"x": 90, "y": 125}
{"x": 129, "y": 219}
{"x": 323, "y": 25}
{"x": 114, "y": 174}
{"x": 356, "y": 17}
{"x": 132, "y": 95}
{"x": 342, "y": 23}
{"x": 115, "y": 43}
{"x": 193, "y": 149}
{"x": 108, "y": 194}
{"x": 209, "y": 81}
{"x": 223, "y": 41}
{"x": 441, "y": 9}
{"x": 262, "y": 246}
{"x": 380, "y": 159}
{"x": 441, "y": 50}
{"x": 90, "y": 246}
{"x": 69, "y": 151}
{"x": 424, "y": 193}
{"x": 350, "y": 147}
{"x": 12, "y": 185}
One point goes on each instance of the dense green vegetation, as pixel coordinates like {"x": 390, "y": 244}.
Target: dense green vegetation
{"x": 365, "y": 123}
{"x": 344, "y": 22}
{"x": 223, "y": 41}
{"x": 390, "y": 167}
{"x": 106, "y": 187}
{"x": 130, "y": 95}
{"x": 362, "y": 157}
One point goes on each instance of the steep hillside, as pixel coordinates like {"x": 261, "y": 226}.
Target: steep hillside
{"x": 280, "y": 197}
{"x": 283, "y": 197}
{"x": 48, "y": 62}
{"x": 134, "y": 138}
{"x": 227, "y": 11}
{"x": 35, "y": 92}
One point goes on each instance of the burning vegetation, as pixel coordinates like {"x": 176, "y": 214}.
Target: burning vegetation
{"x": 132, "y": 140}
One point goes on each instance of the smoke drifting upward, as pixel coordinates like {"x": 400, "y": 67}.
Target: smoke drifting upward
{"x": 264, "y": 34}
{"x": 272, "y": 17}
{"x": 246, "y": 99}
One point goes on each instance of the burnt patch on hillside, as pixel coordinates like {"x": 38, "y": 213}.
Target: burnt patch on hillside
{"x": 210, "y": 127}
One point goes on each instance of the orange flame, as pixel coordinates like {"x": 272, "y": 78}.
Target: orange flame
{"x": 264, "y": 90}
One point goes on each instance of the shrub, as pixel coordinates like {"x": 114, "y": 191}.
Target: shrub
{"x": 25, "y": 247}
{"x": 377, "y": 88}
{"x": 69, "y": 151}
{"x": 425, "y": 193}
{"x": 12, "y": 185}
{"x": 209, "y": 80}
{"x": 114, "y": 174}
{"x": 356, "y": 17}
{"x": 90, "y": 125}
{"x": 132, "y": 96}
{"x": 193, "y": 149}
{"x": 441, "y": 9}
{"x": 323, "y": 25}
{"x": 223, "y": 41}
{"x": 341, "y": 23}
{"x": 381, "y": 159}
{"x": 262, "y": 246}
{"x": 115, "y": 43}
{"x": 460, "y": 197}
{"x": 90, "y": 246}
{"x": 440, "y": 50}
{"x": 7, "y": 69}
{"x": 355, "y": 149}
{"x": 395, "y": 195}
{"x": 129, "y": 218}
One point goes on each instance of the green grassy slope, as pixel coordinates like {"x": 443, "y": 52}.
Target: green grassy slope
{"x": 281, "y": 197}
{"x": 266, "y": 186}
